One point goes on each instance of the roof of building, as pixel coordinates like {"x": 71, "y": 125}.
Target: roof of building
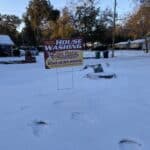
{"x": 138, "y": 41}
{"x": 122, "y": 43}
{"x": 133, "y": 42}
{"x": 5, "y": 40}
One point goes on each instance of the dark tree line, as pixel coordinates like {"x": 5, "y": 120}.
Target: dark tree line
{"x": 85, "y": 18}
{"x": 9, "y": 25}
{"x": 36, "y": 19}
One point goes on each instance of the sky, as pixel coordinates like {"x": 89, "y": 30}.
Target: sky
{"x": 18, "y": 7}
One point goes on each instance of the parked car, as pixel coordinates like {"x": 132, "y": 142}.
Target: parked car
{"x": 5, "y": 51}
{"x": 22, "y": 52}
{"x": 34, "y": 51}
{"x": 16, "y": 52}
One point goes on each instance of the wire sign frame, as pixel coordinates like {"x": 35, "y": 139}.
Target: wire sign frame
{"x": 62, "y": 53}
{"x": 70, "y": 79}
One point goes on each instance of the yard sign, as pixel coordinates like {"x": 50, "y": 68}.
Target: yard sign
{"x": 63, "y": 53}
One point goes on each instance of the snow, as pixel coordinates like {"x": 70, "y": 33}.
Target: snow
{"x": 122, "y": 43}
{"x": 138, "y": 41}
{"x": 93, "y": 115}
{"x": 5, "y": 40}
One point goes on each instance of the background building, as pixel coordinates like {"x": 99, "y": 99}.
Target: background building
{"x": 6, "y": 45}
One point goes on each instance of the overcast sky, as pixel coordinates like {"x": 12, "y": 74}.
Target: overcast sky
{"x": 18, "y": 7}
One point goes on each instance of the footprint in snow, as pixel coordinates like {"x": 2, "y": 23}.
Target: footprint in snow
{"x": 128, "y": 144}
{"x": 57, "y": 102}
{"x": 38, "y": 127}
{"x": 24, "y": 107}
{"x": 76, "y": 115}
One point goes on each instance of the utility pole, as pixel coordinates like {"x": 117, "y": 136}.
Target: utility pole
{"x": 114, "y": 29}
{"x": 145, "y": 3}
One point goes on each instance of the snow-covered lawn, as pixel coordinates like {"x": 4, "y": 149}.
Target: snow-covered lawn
{"x": 94, "y": 115}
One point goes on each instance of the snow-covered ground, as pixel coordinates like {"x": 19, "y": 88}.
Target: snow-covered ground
{"x": 93, "y": 115}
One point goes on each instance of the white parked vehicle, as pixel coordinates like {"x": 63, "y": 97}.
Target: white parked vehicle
{"x": 135, "y": 44}
{"x": 34, "y": 51}
{"x": 22, "y": 52}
